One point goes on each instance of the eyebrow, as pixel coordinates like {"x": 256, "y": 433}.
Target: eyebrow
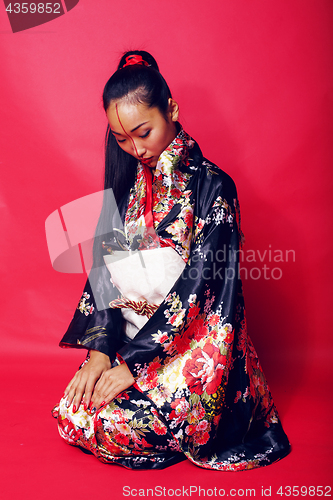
{"x": 133, "y": 129}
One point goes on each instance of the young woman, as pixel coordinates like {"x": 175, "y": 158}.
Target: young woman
{"x": 170, "y": 371}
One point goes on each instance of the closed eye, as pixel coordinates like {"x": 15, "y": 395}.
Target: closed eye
{"x": 117, "y": 138}
{"x": 146, "y": 134}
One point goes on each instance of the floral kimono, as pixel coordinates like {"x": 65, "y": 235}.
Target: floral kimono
{"x": 199, "y": 390}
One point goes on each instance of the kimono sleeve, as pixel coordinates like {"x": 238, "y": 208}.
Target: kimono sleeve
{"x": 92, "y": 327}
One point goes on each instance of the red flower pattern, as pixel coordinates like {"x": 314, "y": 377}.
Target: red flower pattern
{"x": 214, "y": 319}
{"x": 159, "y": 428}
{"x": 122, "y": 439}
{"x": 204, "y": 371}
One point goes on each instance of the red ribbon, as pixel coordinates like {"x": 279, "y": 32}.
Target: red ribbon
{"x": 149, "y": 197}
{"x": 135, "y": 59}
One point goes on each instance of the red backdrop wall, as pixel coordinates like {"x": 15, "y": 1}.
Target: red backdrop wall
{"x": 254, "y": 83}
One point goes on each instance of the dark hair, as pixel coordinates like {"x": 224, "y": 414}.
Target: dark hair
{"x": 138, "y": 84}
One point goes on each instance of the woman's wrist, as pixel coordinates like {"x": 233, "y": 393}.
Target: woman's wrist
{"x": 100, "y": 356}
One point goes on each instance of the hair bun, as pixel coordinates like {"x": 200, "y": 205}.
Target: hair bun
{"x": 140, "y": 57}
{"x": 135, "y": 59}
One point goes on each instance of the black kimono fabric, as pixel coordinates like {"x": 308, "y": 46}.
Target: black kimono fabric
{"x": 199, "y": 389}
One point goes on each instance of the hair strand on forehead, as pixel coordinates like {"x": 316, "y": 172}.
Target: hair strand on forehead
{"x": 133, "y": 83}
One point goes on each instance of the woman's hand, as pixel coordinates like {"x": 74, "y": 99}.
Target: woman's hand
{"x": 84, "y": 380}
{"x": 110, "y": 384}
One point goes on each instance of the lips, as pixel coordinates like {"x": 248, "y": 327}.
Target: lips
{"x": 146, "y": 160}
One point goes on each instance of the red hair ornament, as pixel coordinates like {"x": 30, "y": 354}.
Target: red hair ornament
{"x": 135, "y": 59}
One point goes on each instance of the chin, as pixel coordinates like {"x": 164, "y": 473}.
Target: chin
{"x": 151, "y": 164}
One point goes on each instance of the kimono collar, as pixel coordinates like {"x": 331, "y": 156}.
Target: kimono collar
{"x": 175, "y": 153}
{"x": 156, "y": 191}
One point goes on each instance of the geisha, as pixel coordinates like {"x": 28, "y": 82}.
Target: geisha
{"x": 170, "y": 371}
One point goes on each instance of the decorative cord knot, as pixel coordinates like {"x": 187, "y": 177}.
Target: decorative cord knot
{"x": 143, "y": 308}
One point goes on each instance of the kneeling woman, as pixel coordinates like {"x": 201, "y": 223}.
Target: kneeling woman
{"x": 170, "y": 372}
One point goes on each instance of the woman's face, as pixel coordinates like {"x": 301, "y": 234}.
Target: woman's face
{"x": 141, "y": 131}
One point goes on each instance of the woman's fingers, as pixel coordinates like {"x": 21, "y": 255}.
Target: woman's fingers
{"x": 111, "y": 383}
{"x": 75, "y": 390}
{"x": 106, "y": 392}
{"x": 70, "y": 391}
{"x": 88, "y": 392}
{"x": 83, "y": 382}
{"x": 97, "y": 383}
{"x": 84, "y": 387}
{"x": 79, "y": 391}
{"x": 99, "y": 363}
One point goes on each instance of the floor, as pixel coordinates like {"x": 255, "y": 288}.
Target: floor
{"x": 37, "y": 464}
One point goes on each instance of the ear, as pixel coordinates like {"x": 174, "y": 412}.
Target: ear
{"x": 173, "y": 110}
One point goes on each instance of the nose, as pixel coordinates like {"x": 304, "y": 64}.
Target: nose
{"x": 139, "y": 149}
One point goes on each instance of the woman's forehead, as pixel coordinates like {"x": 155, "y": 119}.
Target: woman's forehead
{"x": 130, "y": 116}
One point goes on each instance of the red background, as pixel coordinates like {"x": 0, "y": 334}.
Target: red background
{"x": 253, "y": 79}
